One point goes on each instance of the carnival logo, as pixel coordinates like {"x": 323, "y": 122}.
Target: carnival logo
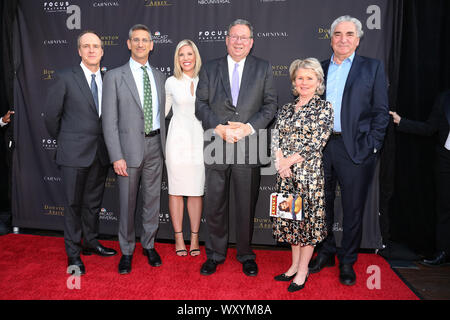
{"x": 157, "y": 37}
{"x": 49, "y": 144}
{"x": 272, "y": 34}
{"x": 106, "y": 4}
{"x": 52, "y": 179}
{"x": 55, "y": 42}
{"x": 108, "y": 41}
{"x": 56, "y": 6}
{"x": 107, "y": 215}
{"x": 265, "y": 1}
{"x": 280, "y": 70}
{"x": 324, "y": 34}
{"x": 149, "y": 3}
{"x": 48, "y": 74}
{"x": 202, "y": 2}
{"x": 212, "y": 35}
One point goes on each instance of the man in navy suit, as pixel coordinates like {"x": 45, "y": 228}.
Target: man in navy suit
{"x": 236, "y": 98}
{"x": 357, "y": 89}
{"x": 73, "y": 116}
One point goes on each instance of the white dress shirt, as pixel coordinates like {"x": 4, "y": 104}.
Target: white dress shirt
{"x": 138, "y": 75}
{"x": 98, "y": 80}
{"x": 447, "y": 143}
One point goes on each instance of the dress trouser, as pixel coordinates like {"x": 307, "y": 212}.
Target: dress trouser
{"x": 146, "y": 178}
{"x": 443, "y": 204}
{"x": 243, "y": 181}
{"x": 354, "y": 181}
{"x": 83, "y": 189}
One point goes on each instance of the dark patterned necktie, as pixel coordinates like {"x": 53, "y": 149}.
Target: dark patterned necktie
{"x": 148, "y": 110}
{"x": 94, "y": 91}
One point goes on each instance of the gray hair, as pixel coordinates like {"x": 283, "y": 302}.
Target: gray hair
{"x": 139, "y": 27}
{"x": 311, "y": 64}
{"x": 243, "y": 22}
{"x": 356, "y": 22}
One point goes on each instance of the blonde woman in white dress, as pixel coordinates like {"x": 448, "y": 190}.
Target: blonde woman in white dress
{"x": 184, "y": 146}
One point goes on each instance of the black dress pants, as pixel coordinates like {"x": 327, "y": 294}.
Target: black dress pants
{"x": 83, "y": 189}
{"x": 243, "y": 181}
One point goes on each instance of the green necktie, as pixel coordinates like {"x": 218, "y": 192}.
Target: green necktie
{"x": 148, "y": 110}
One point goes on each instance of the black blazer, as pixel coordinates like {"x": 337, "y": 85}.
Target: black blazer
{"x": 71, "y": 117}
{"x": 365, "y": 107}
{"x": 257, "y": 101}
{"x": 439, "y": 120}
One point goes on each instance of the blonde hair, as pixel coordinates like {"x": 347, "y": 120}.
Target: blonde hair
{"x": 177, "y": 70}
{"x": 311, "y": 64}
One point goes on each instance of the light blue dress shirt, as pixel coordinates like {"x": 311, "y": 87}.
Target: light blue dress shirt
{"x": 336, "y": 79}
{"x": 138, "y": 75}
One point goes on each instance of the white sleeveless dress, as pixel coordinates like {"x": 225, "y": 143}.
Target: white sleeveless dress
{"x": 184, "y": 143}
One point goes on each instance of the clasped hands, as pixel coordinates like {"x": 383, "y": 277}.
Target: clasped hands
{"x": 233, "y": 131}
{"x": 283, "y": 165}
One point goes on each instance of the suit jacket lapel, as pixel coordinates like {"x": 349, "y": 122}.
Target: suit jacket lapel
{"x": 129, "y": 80}
{"x": 446, "y": 107}
{"x": 80, "y": 78}
{"x": 223, "y": 68}
{"x": 249, "y": 67}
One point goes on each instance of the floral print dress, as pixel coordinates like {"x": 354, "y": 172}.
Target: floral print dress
{"x": 305, "y": 132}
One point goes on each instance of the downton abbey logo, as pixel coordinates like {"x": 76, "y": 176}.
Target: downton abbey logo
{"x": 280, "y": 70}
{"x": 110, "y": 40}
{"x": 324, "y": 33}
{"x": 149, "y": 3}
{"x": 48, "y": 74}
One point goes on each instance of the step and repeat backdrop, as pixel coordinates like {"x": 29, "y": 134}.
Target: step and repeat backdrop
{"x": 45, "y": 41}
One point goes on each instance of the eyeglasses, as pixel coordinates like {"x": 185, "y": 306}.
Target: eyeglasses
{"x": 144, "y": 41}
{"x": 235, "y": 38}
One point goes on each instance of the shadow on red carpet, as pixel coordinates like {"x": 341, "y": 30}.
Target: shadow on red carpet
{"x": 34, "y": 268}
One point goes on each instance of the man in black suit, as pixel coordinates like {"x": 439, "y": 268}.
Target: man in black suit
{"x": 236, "y": 98}
{"x": 439, "y": 120}
{"x": 357, "y": 89}
{"x": 73, "y": 117}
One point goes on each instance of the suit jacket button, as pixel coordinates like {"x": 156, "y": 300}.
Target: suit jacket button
{"x": 237, "y": 113}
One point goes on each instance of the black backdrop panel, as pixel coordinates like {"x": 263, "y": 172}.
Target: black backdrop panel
{"x": 45, "y": 40}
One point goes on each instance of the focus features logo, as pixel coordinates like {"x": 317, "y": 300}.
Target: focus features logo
{"x": 49, "y": 144}
{"x": 56, "y": 6}
{"x": 166, "y": 70}
{"x": 212, "y": 35}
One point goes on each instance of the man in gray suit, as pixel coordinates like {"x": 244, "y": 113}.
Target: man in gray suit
{"x": 236, "y": 98}
{"x": 133, "y": 126}
{"x": 73, "y": 117}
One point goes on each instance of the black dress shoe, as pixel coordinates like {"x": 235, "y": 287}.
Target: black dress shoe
{"x": 209, "y": 267}
{"x": 320, "y": 262}
{"x": 347, "y": 276}
{"x": 125, "y": 264}
{"x": 439, "y": 259}
{"x": 99, "y": 250}
{"x": 75, "y": 266}
{"x": 153, "y": 257}
{"x": 250, "y": 268}
{"x": 284, "y": 277}
{"x": 295, "y": 287}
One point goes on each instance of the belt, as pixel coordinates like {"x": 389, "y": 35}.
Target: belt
{"x": 336, "y": 134}
{"x": 152, "y": 133}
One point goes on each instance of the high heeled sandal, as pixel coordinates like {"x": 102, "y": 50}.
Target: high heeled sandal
{"x": 180, "y": 251}
{"x": 191, "y": 251}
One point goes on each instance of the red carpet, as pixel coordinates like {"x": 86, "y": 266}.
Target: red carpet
{"x": 33, "y": 268}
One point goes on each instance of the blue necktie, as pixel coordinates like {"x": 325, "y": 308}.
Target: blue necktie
{"x": 94, "y": 91}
